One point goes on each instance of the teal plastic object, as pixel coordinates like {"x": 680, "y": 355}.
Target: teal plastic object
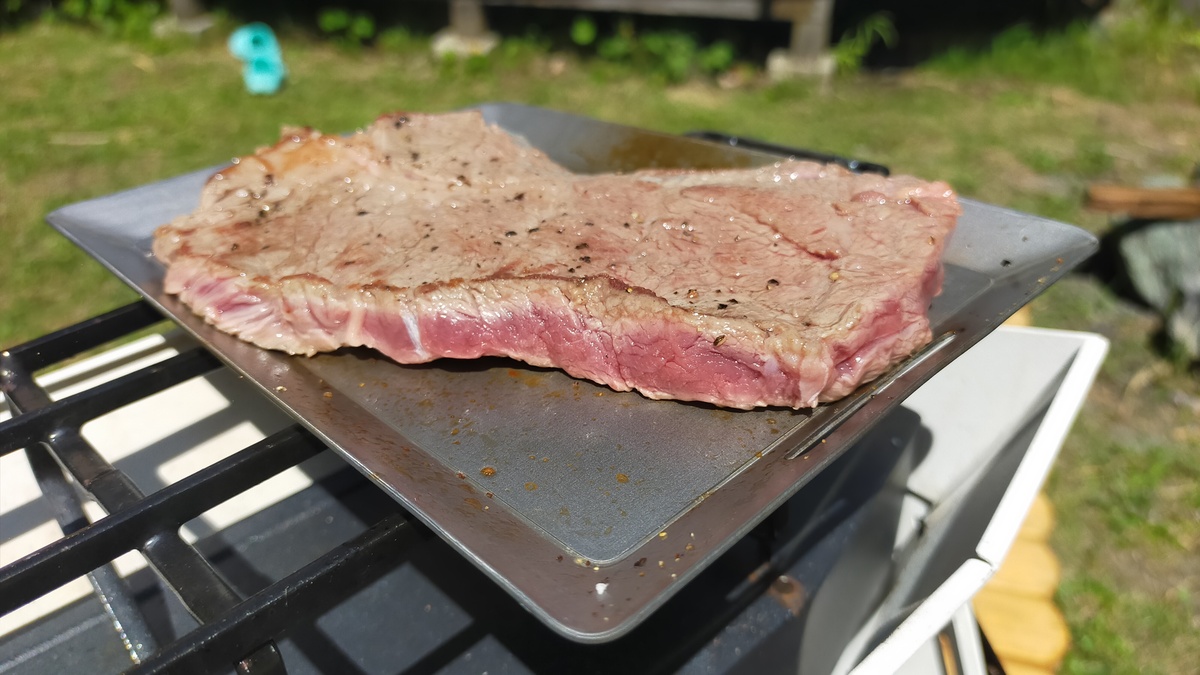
{"x": 256, "y": 46}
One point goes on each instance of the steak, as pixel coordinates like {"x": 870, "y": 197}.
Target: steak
{"x": 433, "y": 236}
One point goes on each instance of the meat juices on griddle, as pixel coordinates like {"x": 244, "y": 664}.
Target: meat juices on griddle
{"x": 430, "y": 236}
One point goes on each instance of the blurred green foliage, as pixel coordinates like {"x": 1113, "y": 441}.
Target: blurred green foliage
{"x": 347, "y": 28}
{"x": 673, "y": 55}
{"x": 856, "y": 43}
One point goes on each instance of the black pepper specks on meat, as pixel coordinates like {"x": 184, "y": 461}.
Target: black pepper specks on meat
{"x": 431, "y": 250}
{"x": 415, "y": 156}
{"x": 400, "y": 121}
{"x": 626, "y": 224}
{"x": 772, "y": 282}
{"x": 497, "y": 242}
{"x": 570, "y": 270}
{"x": 721, "y": 305}
{"x": 233, "y": 247}
{"x": 463, "y": 179}
{"x": 362, "y": 213}
{"x": 586, "y": 258}
{"x": 518, "y": 197}
{"x": 580, "y": 247}
{"x": 732, "y": 301}
{"x": 510, "y": 233}
{"x": 533, "y": 229}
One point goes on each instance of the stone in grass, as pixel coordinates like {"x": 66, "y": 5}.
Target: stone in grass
{"x": 1162, "y": 262}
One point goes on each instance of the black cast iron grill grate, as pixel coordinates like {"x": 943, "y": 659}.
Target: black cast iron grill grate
{"x": 234, "y": 631}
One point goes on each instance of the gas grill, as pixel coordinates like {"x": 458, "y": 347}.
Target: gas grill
{"x": 257, "y": 548}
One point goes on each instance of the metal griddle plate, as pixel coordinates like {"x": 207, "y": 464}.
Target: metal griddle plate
{"x": 602, "y": 504}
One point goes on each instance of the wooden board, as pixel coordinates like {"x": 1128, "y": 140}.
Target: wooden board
{"x": 1016, "y": 609}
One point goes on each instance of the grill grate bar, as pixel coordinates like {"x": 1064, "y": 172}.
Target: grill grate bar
{"x": 88, "y": 334}
{"x": 300, "y": 597}
{"x": 230, "y": 628}
{"x": 42, "y": 418}
{"x": 114, "y": 594}
{"x": 88, "y": 546}
{"x": 55, "y": 426}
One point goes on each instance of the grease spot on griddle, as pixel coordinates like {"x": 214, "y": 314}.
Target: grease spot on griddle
{"x": 642, "y": 150}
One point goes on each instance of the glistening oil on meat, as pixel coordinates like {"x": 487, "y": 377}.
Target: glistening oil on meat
{"x": 438, "y": 236}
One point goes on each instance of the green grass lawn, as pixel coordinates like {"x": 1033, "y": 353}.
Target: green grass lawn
{"x": 1026, "y": 126}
